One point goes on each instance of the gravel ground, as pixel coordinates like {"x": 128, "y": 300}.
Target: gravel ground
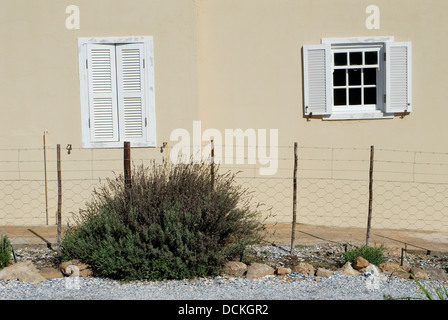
{"x": 292, "y": 287}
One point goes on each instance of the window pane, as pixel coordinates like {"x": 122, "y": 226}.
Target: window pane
{"x": 340, "y": 59}
{"x": 340, "y": 97}
{"x": 354, "y": 96}
{"x": 369, "y": 95}
{"x": 339, "y": 77}
{"x": 370, "y": 76}
{"x": 354, "y": 77}
{"x": 371, "y": 57}
{"x": 355, "y": 58}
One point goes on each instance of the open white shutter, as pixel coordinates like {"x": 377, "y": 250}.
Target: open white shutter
{"x": 131, "y": 91}
{"x": 398, "y": 77}
{"x": 317, "y": 79}
{"x": 103, "y": 110}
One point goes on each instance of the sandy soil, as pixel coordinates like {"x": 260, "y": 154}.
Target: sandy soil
{"x": 280, "y": 234}
{"x": 434, "y": 242}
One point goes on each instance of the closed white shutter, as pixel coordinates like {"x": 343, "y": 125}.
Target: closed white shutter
{"x": 317, "y": 79}
{"x": 117, "y": 92}
{"x": 103, "y": 110}
{"x": 131, "y": 91}
{"x": 398, "y": 77}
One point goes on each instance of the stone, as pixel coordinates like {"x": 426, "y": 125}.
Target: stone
{"x": 393, "y": 269}
{"x": 259, "y": 270}
{"x": 234, "y": 269}
{"x": 375, "y": 271}
{"x": 372, "y": 269}
{"x": 419, "y": 273}
{"x": 282, "y": 271}
{"x": 348, "y": 270}
{"x": 51, "y": 273}
{"x": 321, "y": 272}
{"x": 75, "y": 268}
{"x": 436, "y": 274}
{"x": 64, "y": 265}
{"x": 406, "y": 266}
{"x": 360, "y": 263}
{"x": 304, "y": 268}
{"x": 24, "y": 271}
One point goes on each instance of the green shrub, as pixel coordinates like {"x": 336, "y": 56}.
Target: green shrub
{"x": 372, "y": 254}
{"x": 5, "y": 251}
{"x": 169, "y": 224}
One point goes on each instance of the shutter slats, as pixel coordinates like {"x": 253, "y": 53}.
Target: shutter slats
{"x": 131, "y": 69}
{"x": 101, "y": 65}
{"x": 119, "y": 96}
{"x": 317, "y": 77}
{"x": 130, "y": 90}
{"x": 398, "y": 77}
{"x": 102, "y": 93}
{"x": 133, "y": 117}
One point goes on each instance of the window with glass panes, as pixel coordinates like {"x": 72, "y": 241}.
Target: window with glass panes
{"x": 355, "y": 77}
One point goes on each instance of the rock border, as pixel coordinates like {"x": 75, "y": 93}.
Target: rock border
{"x": 25, "y": 271}
{"x": 359, "y": 267}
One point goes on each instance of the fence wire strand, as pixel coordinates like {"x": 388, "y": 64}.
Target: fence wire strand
{"x": 410, "y": 188}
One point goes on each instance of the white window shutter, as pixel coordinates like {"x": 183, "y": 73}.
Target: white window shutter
{"x": 398, "y": 77}
{"x": 317, "y": 79}
{"x": 103, "y": 112}
{"x": 131, "y": 91}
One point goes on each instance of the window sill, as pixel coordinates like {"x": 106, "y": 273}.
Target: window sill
{"x": 358, "y": 115}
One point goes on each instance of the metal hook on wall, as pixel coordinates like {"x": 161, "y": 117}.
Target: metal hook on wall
{"x": 163, "y": 147}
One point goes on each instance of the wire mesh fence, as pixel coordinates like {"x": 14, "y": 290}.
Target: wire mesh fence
{"x": 409, "y": 188}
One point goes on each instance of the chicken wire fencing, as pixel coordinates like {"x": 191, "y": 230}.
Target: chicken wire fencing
{"x": 409, "y": 189}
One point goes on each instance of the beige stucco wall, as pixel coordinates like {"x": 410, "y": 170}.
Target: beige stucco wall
{"x": 39, "y": 64}
{"x": 231, "y": 64}
{"x": 40, "y": 91}
{"x": 250, "y": 73}
{"x": 251, "y": 66}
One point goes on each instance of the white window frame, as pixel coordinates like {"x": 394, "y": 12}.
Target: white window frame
{"x": 148, "y": 138}
{"x": 379, "y": 81}
{"x": 318, "y": 78}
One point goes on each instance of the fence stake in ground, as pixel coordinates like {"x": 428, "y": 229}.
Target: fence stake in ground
{"x": 59, "y": 193}
{"x": 45, "y": 177}
{"x": 294, "y": 201}
{"x": 127, "y": 164}
{"x": 369, "y": 217}
{"x": 212, "y": 163}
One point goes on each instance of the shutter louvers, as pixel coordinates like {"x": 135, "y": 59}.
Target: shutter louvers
{"x": 398, "y": 77}
{"x": 102, "y": 93}
{"x": 317, "y": 79}
{"x": 131, "y": 97}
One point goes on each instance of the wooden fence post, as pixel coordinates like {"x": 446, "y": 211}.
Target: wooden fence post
{"x": 59, "y": 215}
{"x": 369, "y": 217}
{"x": 127, "y": 164}
{"x": 294, "y": 203}
{"x": 212, "y": 163}
{"x": 45, "y": 178}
